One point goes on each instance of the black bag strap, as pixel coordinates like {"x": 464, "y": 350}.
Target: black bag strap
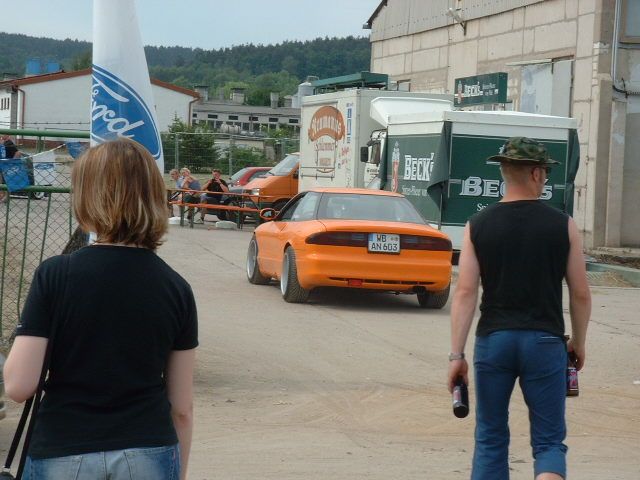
{"x": 32, "y": 402}
{"x": 16, "y": 437}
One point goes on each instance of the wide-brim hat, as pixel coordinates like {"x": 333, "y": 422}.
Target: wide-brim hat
{"x": 523, "y": 151}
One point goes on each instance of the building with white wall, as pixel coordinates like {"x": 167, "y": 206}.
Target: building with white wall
{"x": 578, "y": 58}
{"x": 232, "y": 115}
{"x": 62, "y": 101}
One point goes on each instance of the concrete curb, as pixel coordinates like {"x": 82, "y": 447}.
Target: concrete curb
{"x": 631, "y": 275}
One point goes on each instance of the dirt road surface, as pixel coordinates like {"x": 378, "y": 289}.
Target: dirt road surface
{"x": 352, "y": 385}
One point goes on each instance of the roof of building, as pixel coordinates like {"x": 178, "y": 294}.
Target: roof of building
{"x": 213, "y": 106}
{"x": 361, "y": 80}
{"x": 373, "y": 16}
{"x": 62, "y": 75}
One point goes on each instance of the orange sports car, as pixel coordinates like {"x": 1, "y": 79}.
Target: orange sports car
{"x": 354, "y": 238}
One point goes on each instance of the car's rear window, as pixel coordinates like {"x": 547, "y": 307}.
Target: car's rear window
{"x": 236, "y": 176}
{"x": 383, "y": 208}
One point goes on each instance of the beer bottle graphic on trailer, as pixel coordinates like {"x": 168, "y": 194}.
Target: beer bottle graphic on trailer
{"x": 395, "y": 165}
{"x": 460, "y": 398}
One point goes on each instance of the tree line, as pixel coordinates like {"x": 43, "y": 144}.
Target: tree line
{"x": 260, "y": 69}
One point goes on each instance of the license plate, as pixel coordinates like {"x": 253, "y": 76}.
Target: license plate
{"x": 384, "y": 243}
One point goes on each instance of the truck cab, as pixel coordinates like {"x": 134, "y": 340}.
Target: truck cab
{"x": 278, "y": 186}
{"x": 371, "y": 155}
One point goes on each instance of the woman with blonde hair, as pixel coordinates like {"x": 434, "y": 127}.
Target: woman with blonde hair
{"x": 118, "y": 398}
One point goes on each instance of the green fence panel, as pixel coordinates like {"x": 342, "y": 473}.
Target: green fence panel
{"x": 35, "y": 223}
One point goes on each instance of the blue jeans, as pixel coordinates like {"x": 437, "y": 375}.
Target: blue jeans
{"x": 156, "y": 463}
{"x": 539, "y": 360}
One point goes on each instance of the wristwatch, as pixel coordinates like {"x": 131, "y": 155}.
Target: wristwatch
{"x": 456, "y": 356}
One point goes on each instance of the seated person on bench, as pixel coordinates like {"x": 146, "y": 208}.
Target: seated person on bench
{"x": 190, "y": 183}
{"x": 215, "y": 184}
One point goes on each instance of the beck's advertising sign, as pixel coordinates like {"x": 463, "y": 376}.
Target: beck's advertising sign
{"x": 472, "y": 183}
{"x": 480, "y": 89}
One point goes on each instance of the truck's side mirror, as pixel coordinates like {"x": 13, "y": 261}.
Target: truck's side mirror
{"x": 364, "y": 154}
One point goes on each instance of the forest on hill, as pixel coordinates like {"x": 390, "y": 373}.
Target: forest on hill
{"x": 260, "y": 69}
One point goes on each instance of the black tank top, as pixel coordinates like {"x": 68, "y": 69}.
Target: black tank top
{"x": 522, "y": 249}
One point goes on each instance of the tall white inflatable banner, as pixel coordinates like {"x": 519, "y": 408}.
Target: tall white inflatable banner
{"x": 121, "y": 97}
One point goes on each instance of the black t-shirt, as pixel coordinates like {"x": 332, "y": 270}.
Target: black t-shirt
{"x": 119, "y": 313}
{"x": 522, "y": 249}
{"x": 213, "y": 186}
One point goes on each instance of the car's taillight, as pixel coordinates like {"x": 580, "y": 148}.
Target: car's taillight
{"x": 343, "y": 239}
{"x": 415, "y": 242}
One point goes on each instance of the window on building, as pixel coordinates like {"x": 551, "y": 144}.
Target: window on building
{"x": 273, "y": 120}
{"x": 253, "y": 119}
{"x": 212, "y": 115}
{"x": 404, "y": 85}
{"x": 630, "y": 21}
{"x": 233, "y": 117}
{"x": 195, "y": 115}
{"x": 293, "y": 120}
{"x": 245, "y": 126}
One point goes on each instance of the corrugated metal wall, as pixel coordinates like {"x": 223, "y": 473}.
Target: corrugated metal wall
{"x": 406, "y": 17}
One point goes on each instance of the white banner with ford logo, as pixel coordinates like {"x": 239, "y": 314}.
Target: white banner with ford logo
{"x": 121, "y": 97}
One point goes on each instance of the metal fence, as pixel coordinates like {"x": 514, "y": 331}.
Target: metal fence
{"x": 203, "y": 151}
{"x": 35, "y": 223}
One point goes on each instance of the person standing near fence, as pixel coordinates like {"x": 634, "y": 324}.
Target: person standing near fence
{"x": 520, "y": 249}
{"x": 111, "y": 409}
{"x": 8, "y": 150}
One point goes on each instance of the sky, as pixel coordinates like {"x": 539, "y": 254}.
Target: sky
{"x": 207, "y": 24}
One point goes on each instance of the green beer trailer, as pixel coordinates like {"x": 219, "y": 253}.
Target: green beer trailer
{"x": 438, "y": 161}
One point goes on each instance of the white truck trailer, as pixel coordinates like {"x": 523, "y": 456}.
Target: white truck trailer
{"x": 335, "y": 126}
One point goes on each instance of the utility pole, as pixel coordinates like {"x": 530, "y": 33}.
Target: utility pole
{"x": 177, "y": 151}
{"x": 231, "y": 141}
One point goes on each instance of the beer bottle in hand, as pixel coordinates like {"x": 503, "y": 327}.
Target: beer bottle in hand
{"x": 572, "y": 375}
{"x": 460, "y": 398}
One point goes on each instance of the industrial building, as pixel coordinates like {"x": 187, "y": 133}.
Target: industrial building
{"x": 557, "y": 57}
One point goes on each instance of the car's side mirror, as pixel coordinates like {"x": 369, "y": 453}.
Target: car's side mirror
{"x": 295, "y": 174}
{"x": 267, "y": 214}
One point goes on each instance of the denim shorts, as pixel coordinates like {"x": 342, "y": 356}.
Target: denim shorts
{"x": 156, "y": 463}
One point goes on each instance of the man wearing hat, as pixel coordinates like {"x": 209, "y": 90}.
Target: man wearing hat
{"x": 520, "y": 249}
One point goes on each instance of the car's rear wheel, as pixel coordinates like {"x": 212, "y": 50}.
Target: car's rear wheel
{"x": 234, "y": 215}
{"x": 291, "y": 290}
{"x": 253, "y": 268}
{"x": 437, "y": 300}
{"x": 223, "y": 214}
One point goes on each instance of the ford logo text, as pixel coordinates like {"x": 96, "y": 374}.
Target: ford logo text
{"x": 118, "y": 111}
